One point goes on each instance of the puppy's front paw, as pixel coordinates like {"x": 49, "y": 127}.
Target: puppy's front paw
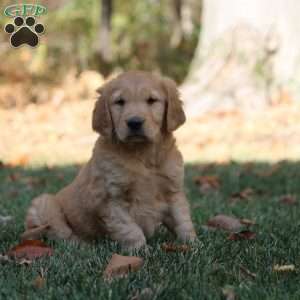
{"x": 131, "y": 245}
{"x": 186, "y": 234}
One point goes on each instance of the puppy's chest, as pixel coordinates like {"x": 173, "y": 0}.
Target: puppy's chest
{"x": 145, "y": 199}
{"x": 141, "y": 188}
{"x": 149, "y": 187}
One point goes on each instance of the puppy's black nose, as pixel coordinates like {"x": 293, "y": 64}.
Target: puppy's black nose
{"x": 135, "y": 123}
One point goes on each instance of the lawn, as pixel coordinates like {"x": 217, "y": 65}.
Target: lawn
{"x": 213, "y": 264}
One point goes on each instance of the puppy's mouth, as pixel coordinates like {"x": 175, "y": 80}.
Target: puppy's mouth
{"x": 136, "y": 138}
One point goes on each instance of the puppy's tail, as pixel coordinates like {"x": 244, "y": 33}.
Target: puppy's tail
{"x": 36, "y": 222}
{"x": 45, "y": 218}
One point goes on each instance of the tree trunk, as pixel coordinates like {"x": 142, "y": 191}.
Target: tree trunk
{"x": 177, "y": 33}
{"x": 184, "y": 12}
{"x": 248, "y": 52}
{"x": 105, "y": 30}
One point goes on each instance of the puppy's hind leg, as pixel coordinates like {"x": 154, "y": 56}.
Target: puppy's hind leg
{"x": 37, "y": 212}
{"x": 45, "y": 218}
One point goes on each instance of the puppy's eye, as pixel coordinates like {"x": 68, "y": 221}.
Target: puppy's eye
{"x": 151, "y": 100}
{"x": 120, "y": 102}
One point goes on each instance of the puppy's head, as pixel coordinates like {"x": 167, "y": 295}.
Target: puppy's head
{"x": 137, "y": 107}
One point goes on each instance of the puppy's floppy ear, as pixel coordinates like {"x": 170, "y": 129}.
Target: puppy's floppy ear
{"x": 101, "y": 120}
{"x": 175, "y": 115}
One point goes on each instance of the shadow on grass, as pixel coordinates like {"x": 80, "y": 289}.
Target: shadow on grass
{"x": 213, "y": 263}
{"x": 268, "y": 183}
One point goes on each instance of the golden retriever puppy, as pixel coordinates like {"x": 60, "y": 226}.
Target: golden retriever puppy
{"x": 134, "y": 180}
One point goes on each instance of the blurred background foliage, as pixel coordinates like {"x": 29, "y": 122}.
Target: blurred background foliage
{"x": 235, "y": 63}
{"x": 140, "y": 38}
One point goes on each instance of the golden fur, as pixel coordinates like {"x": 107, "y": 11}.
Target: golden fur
{"x": 134, "y": 180}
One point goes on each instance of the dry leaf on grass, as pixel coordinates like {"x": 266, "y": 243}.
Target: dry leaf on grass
{"x": 39, "y": 282}
{"x": 228, "y": 223}
{"x": 15, "y": 176}
{"x": 228, "y": 293}
{"x": 247, "y": 167}
{"x": 269, "y": 172}
{"x": 207, "y": 183}
{"x": 30, "y": 249}
{"x": 288, "y": 199}
{"x": 196, "y": 205}
{"x": 242, "y": 235}
{"x": 175, "y": 248}
{"x": 284, "y": 268}
{"x": 20, "y": 161}
{"x": 30, "y": 181}
{"x": 247, "y": 222}
{"x": 120, "y": 266}
{"x": 13, "y": 193}
{"x": 242, "y": 195}
{"x": 225, "y": 222}
{"x": 33, "y": 182}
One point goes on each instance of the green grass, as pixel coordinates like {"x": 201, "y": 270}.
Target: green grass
{"x": 75, "y": 272}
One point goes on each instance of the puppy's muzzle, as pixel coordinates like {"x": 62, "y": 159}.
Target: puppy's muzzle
{"x": 135, "y": 124}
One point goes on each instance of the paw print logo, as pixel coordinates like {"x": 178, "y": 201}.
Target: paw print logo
{"x": 26, "y": 33}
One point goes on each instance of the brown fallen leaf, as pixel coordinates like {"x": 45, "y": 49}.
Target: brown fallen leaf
{"x": 247, "y": 222}
{"x": 33, "y": 182}
{"x": 247, "y": 167}
{"x": 284, "y": 268}
{"x": 225, "y": 222}
{"x": 19, "y": 161}
{"x": 14, "y": 176}
{"x": 61, "y": 176}
{"x": 288, "y": 199}
{"x": 207, "y": 183}
{"x": 269, "y": 172}
{"x": 196, "y": 205}
{"x": 242, "y": 195}
{"x": 120, "y": 266}
{"x": 228, "y": 293}
{"x": 30, "y": 249}
{"x": 39, "y": 282}
{"x": 242, "y": 235}
{"x": 175, "y": 248}
{"x": 13, "y": 193}
{"x": 208, "y": 167}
